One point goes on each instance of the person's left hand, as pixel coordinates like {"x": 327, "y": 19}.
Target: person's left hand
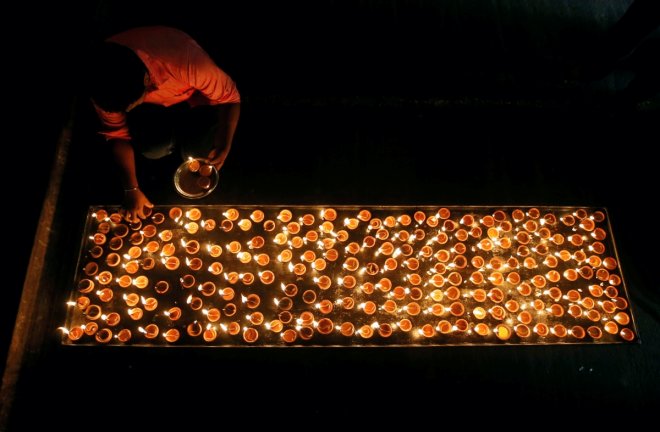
{"x": 217, "y": 158}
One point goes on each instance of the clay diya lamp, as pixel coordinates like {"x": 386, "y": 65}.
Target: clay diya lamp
{"x": 82, "y": 302}
{"x": 541, "y": 329}
{"x": 627, "y": 334}
{"x": 245, "y": 224}
{"x": 405, "y": 325}
{"x": 622, "y": 318}
{"x": 559, "y": 330}
{"x": 325, "y": 306}
{"x": 369, "y": 242}
{"x": 348, "y": 281}
{"x": 90, "y": 328}
{"x": 557, "y": 310}
{"x": 437, "y": 309}
{"x": 113, "y": 259}
{"x": 325, "y": 326}
{"x": 208, "y": 224}
{"x": 267, "y": 277}
{"x": 97, "y": 251}
{"x": 285, "y": 317}
{"x": 124, "y": 335}
{"x": 525, "y": 317}
{"x": 141, "y": 282}
{"x": 436, "y": 295}
{"x": 171, "y": 335}
{"x": 366, "y": 331}
{"x": 452, "y": 293}
{"x": 319, "y": 264}
{"x": 427, "y": 331}
{"x": 587, "y": 303}
{"x": 412, "y": 308}
{"x": 174, "y": 313}
{"x": 257, "y": 216}
{"x": 457, "y": 309}
{"x": 215, "y": 250}
{"x": 289, "y": 336}
{"x": 148, "y": 263}
{"x": 502, "y": 332}
{"x": 306, "y": 332}
{"x": 226, "y": 225}
{"x": 187, "y": 281}
{"x": 512, "y": 306}
{"x": 275, "y": 326}
{"x": 85, "y": 285}
{"x": 479, "y": 295}
{"x": 299, "y": 269}
{"x": 455, "y": 279}
{"x": 74, "y": 333}
{"x": 348, "y": 303}
{"x": 256, "y": 318}
{"x": 252, "y": 301}
{"x": 372, "y": 269}
{"x": 100, "y": 215}
{"x": 293, "y": 227}
{"x": 285, "y": 256}
{"x": 172, "y": 263}
{"x": 385, "y": 285}
{"x": 91, "y": 268}
{"x": 135, "y": 313}
{"x": 215, "y": 268}
{"x": 577, "y": 332}
{"x": 227, "y": 293}
{"x": 479, "y": 313}
{"x": 112, "y": 319}
{"x": 307, "y": 219}
{"x": 151, "y": 331}
{"x": 416, "y": 293}
{"x": 524, "y": 289}
{"x": 103, "y": 335}
{"x": 312, "y": 236}
{"x": 210, "y": 334}
{"x": 369, "y": 307}
{"x": 522, "y": 331}
{"x": 195, "y": 303}
{"x": 481, "y": 329}
{"x": 136, "y": 239}
{"x": 443, "y": 327}
{"x": 247, "y": 278}
{"x": 232, "y": 277}
{"x": 194, "y": 329}
{"x": 229, "y": 309}
{"x": 131, "y": 299}
{"x": 233, "y": 328}
{"x": 594, "y": 332}
{"x": 93, "y": 312}
{"x": 158, "y": 218}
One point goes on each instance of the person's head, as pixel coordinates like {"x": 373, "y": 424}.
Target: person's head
{"x": 116, "y": 77}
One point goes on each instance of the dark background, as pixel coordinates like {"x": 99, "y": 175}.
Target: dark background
{"x": 392, "y": 102}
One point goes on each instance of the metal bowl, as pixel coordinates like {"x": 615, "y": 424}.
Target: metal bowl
{"x": 190, "y": 180}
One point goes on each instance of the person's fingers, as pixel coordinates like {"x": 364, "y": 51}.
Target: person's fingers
{"x": 148, "y": 204}
{"x": 140, "y": 213}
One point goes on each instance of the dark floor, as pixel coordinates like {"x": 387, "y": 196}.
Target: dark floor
{"x": 340, "y": 109}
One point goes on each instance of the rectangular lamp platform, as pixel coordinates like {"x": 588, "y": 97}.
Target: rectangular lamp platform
{"x": 290, "y": 276}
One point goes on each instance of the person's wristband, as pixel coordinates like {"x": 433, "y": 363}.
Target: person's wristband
{"x": 132, "y": 189}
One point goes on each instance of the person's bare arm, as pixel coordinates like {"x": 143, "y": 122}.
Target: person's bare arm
{"x": 228, "y": 115}
{"x": 135, "y": 201}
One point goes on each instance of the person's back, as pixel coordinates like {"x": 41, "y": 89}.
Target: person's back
{"x": 157, "y": 66}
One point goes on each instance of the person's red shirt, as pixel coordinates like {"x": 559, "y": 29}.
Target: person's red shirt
{"x": 179, "y": 70}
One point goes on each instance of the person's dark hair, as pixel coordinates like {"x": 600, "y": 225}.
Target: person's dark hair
{"x": 116, "y": 77}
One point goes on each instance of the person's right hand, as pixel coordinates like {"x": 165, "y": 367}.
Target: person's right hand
{"x": 135, "y": 203}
